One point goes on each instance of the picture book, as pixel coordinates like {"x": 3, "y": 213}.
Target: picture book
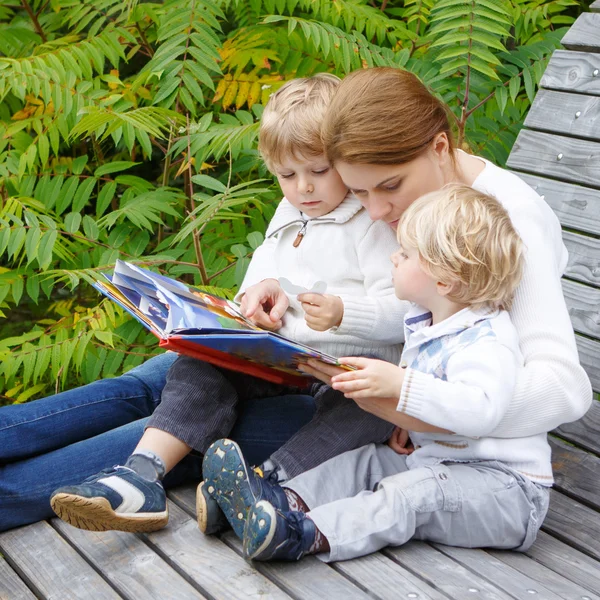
{"x": 189, "y": 321}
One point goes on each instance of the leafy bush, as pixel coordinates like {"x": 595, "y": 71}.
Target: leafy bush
{"x": 128, "y": 130}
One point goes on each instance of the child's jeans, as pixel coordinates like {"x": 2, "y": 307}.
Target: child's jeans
{"x": 200, "y": 405}
{"x": 367, "y": 499}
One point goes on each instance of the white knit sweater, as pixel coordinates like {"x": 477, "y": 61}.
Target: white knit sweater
{"x": 552, "y": 388}
{"x": 351, "y": 254}
{"x": 468, "y": 364}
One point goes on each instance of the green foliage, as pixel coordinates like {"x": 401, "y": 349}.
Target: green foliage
{"x": 128, "y": 130}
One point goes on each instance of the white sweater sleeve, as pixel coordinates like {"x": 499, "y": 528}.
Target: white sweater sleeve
{"x": 552, "y": 388}
{"x": 479, "y": 387}
{"x": 378, "y": 315}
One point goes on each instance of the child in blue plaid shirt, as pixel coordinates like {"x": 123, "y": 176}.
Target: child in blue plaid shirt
{"x": 459, "y": 265}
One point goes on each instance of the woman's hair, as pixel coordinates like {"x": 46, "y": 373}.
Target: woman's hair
{"x": 291, "y": 122}
{"x": 466, "y": 238}
{"x": 383, "y": 116}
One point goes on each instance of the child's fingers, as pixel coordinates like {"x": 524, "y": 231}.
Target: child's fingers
{"x": 355, "y": 361}
{"x": 314, "y": 299}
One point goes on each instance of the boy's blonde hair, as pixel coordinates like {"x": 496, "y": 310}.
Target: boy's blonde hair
{"x": 291, "y": 122}
{"x": 466, "y": 238}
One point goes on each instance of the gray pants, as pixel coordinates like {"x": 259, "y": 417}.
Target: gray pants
{"x": 367, "y": 499}
{"x": 199, "y": 405}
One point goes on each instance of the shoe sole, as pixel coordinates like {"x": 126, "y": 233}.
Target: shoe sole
{"x": 96, "y": 514}
{"x": 225, "y": 471}
{"x": 208, "y": 522}
{"x": 260, "y": 529}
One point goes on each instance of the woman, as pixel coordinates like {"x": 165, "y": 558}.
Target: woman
{"x": 391, "y": 142}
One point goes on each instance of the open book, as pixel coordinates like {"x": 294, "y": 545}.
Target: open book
{"x": 190, "y": 321}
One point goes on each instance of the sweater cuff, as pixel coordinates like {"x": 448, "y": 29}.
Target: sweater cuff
{"x": 359, "y": 318}
{"x": 413, "y": 395}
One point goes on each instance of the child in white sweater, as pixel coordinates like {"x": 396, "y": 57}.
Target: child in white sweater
{"x": 319, "y": 233}
{"x": 459, "y": 265}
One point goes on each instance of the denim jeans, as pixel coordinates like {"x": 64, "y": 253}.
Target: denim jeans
{"x": 62, "y": 439}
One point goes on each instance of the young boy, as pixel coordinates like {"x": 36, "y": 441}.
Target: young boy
{"x": 318, "y": 233}
{"x": 460, "y": 263}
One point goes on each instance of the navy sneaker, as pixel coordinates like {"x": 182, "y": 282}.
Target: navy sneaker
{"x": 211, "y": 518}
{"x": 114, "y": 499}
{"x": 236, "y": 486}
{"x": 271, "y": 534}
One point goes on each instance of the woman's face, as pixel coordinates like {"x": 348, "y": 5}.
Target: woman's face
{"x": 386, "y": 191}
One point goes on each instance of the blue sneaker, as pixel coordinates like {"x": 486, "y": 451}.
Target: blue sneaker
{"x": 114, "y": 499}
{"x": 211, "y": 518}
{"x": 271, "y": 534}
{"x": 235, "y": 485}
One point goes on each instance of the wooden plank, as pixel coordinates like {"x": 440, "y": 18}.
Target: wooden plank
{"x": 576, "y": 115}
{"x": 560, "y": 585}
{"x": 555, "y": 156}
{"x": 383, "y": 578}
{"x": 569, "y": 562}
{"x": 576, "y": 206}
{"x": 576, "y": 472}
{"x": 216, "y": 569}
{"x": 11, "y": 586}
{"x": 573, "y": 72}
{"x": 584, "y": 432}
{"x": 308, "y": 579}
{"x": 503, "y": 576}
{"x": 589, "y": 357}
{"x": 574, "y": 523}
{"x": 584, "y": 257}
{"x": 584, "y": 34}
{"x": 124, "y": 560}
{"x": 583, "y": 303}
{"x": 445, "y": 574}
{"x": 595, "y": 6}
{"x": 50, "y": 566}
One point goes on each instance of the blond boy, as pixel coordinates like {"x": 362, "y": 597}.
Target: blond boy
{"x": 318, "y": 233}
{"x": 459, "y": 265}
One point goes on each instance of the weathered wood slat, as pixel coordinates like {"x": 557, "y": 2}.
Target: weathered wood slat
{"x": 589, "y": 357}
{"x": 11, "y": 586}
{"x": 383, "y": 577}
{"x": 576, "y": 206}
{"x": 574, "y": 523}
{"x": 584, "y": 257}
{"x": 572, "y": 72}
{"x": 583, "y": 303}
{"x": 569, "y": 562}
{"x": 584, "y": 34}
{"x": 208, "y": 562}
{"x": 576, "y": 472}
{"x": 547, "y": 577}
{"x": 50, "y": 566}
{"x": 445, "y": 574}
{"x": 556, "y": 156}
{"x": 595, "y": 6}
{"x": 513, "y": 582}
{"x": 584, "y": 432}
{"x": 307, "y": 579}
{"x": 576, "y": 115}
{"x": 124, "y": 560}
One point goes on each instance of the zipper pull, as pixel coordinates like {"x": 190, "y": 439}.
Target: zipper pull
{"x": 301, "y": 234}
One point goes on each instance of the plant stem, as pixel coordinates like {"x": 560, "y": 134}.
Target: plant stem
{"x": 34, "y": 20}
{"x": 463, "y": 119}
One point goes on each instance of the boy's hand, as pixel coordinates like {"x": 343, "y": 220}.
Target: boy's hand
{"x": 400, "y": 442}
{"x": 265, "y": 304}
{"x": 372, "y": 379}
{"x": 322, "y": 311}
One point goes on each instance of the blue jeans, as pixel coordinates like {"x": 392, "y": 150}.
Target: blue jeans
{"x": 62, "y": 439}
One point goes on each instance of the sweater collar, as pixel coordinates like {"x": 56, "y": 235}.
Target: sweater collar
{"x": 419, "y": 328}
{"x": 341, "y": 214}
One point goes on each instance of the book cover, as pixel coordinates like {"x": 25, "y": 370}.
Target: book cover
{"x": 189, "y": 321}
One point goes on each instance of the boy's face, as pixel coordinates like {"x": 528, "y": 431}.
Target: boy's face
{"x": 310, "y": 184}
{"x": 411, "y": 282}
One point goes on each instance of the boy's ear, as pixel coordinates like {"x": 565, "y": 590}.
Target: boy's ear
{"x": 443, "y": 289}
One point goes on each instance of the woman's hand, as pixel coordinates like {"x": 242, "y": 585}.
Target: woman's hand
{"x": 265, "y": 304}
{"x": 322, "y": 311}
{"x": 372, "y": 379}
{"x": 400, "y": 442}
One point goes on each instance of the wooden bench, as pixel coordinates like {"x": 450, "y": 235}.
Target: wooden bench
{"x": 558, "y": 153}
